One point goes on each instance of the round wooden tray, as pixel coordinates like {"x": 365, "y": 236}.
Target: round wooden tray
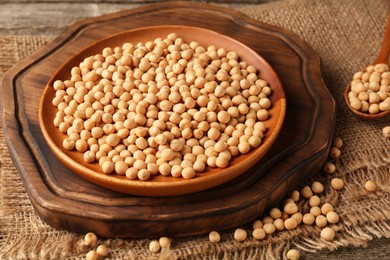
{"x": 159, "y": 185}
{"x": 63, "y": 199}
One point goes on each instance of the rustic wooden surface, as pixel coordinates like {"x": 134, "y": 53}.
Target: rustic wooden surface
{"x": 26, "y": 17}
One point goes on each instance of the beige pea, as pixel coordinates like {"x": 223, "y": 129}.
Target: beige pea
{"x": 308, "y": 219}
{"x": 90, "y": 238}
{"x": 315, "y": 211}
{"x": 214, "y": 237}
{"x": 295, "y": 195}
{"x": 257, "y": 224}
{"x": 317, "y": 187}
{"x": 291, "y": 208}
{"x": 68, "y": 144}
{"x": 154, "y": 246}
{"x": 143, "y": 174}
{"x": 240, "y": 235}
{"x": 370, "y": 186}
{"x": 279, "y": 224}
{"x": 102, "y": 250}
{"x": 306, "y": 192}
{"x": 268, "y": 219}
{"x": 332, "y": 217}
{"x": 314, "y": 201}
{"x": 258, "y": 233}
{"x": 386, "y": 131}
{"x": 188, "y": 173}
{"x": 91, "y": 255}
{"x": 329, "y": 168}
{"x": 334, "y": 153}
{"x": 321, "y": 221}
{"x": 290, "y": 223}
{"x": 337, "y": 183}
{"x": 269, "y": 228}
{"x": 89, "y": 157}
{"x": 328, "y": 234}
{"x": 108, "y": 167}
{"x": 293, "y": 254}
{"x": 275, "y": 213}
{"x": 327, "y": 207}
{"x": 164, "y": 242}
{"x": 298, "y": 217}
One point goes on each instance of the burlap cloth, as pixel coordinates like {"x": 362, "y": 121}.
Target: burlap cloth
{"x": 347, "y": 36}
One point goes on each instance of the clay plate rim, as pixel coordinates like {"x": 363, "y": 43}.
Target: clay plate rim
{"x": 161, "y": 185}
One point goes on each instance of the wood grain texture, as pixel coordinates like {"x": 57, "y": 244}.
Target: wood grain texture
{"x": 64, "y": 200}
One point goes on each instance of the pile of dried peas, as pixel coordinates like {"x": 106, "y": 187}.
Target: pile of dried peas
{"x": 370, "y": 89}
{"x": 303, "y": 206}
{"x": 163, "y": 107}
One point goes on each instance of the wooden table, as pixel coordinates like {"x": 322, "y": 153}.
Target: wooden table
{"x": 50, "y": 17}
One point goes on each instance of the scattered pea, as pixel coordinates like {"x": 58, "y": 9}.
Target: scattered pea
{"x": 386, "y": 131}
{"x": 332, "y": 217}
{"x": 293, "y": 254}
{"x": 102, "y": 250}
{"x": 92, "y": 255}
{"x": 329, "y": 168}
{"x": 337, "y": 183}
{"x": 328, "y": 234}
{"x": 269, "y": 228}
{"x": 154, "y": 246}
{"x": 90, "y": 238}
{"x": 291, "y": 208}
{"x": 214, "y": 237}
{"x": 370, "y": 186}
{"x": 306, "y": 192}
{"x": 258, "y": 233}
{"x": 240, "y": 235}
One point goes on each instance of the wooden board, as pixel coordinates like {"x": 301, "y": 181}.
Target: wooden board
{"x": 64, "y": 200}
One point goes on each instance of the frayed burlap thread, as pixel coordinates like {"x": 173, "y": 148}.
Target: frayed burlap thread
{"x": 338, "y": 31}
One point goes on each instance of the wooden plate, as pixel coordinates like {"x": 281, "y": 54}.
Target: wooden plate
{"x": 65, "y": 200}
{"x": 159, "y": 185}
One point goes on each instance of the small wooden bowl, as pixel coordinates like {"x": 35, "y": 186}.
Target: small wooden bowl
{"x": 360, "y": 114}
{"x": 161, "y": 185}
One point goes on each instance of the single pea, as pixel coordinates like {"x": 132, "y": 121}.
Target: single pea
{"x": 327, "y": 207}
{"x": 317, "y": 187}
{"x": 279, "y": 224}
{"x": 337, "y": 183}
{"x": 214, "y": 237}
{"x": 275, "y": 213}
{"x": 293, "y": 254}
{"x": 290, "y": 223}
{"x": 91, "y": 255}
{"x": 386, "y": 131}
{"x": 306, "y": 192}
{"x": 308, "y": 219}
{"x": 164, "y": 242}
{"x": 329, "y": 168}
{"x": 240, "y": 235}
{"x": 334, "y": 153}
{"x": 257, "y": 224}
{"x": 321, "y": 221}
{"x": 258, "y": 233}
{"x": 370, "y": 186}
{"x": 102, "y": 250}
{"x": 332, "y": 217}
{"x": 154, "y": 246}
{"x": 269, "y": 228}
{"x": 291, "y": 208}
{"x": 90, "y": 238}
{"x": 328, "y": 234}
